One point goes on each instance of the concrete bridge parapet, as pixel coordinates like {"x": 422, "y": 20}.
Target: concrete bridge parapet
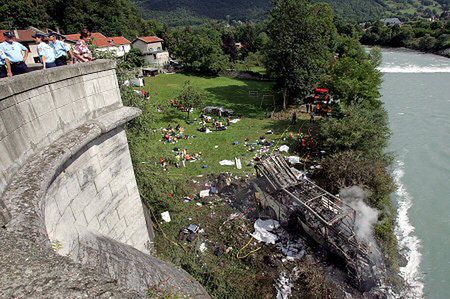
{"x": 67, "y": 183}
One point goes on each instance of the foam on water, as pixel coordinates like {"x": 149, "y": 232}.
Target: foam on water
{"x": 414, "y": 69}
{"x": 409, "y": 243}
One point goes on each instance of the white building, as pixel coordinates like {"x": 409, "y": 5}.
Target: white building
{"x": 152, "y": 48}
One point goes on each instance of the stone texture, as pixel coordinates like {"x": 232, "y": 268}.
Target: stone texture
{"x": 66, "y": 179}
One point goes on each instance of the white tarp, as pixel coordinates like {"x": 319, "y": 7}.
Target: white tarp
{"x": 226, "y": 162}
{"x": 263, "y": 230}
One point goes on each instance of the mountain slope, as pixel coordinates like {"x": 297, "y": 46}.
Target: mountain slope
{"x": 255, "y": 9}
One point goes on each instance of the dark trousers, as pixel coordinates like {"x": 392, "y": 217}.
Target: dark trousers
{"x": 3, "y": 72}
{"x": 18, "y": 68}
{"x": 49, "y": 65}
{"x": 61, "y": 61}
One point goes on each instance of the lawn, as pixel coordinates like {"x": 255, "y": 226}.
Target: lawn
{"x": 254, "y": 100}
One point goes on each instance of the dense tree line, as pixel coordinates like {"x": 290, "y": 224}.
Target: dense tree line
{"x": 112, "y": 17}
{"x": 422, "y": 35}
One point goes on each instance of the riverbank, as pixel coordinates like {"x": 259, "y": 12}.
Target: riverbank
{"x": 415, "y": 92}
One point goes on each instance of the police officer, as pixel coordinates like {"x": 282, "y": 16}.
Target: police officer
{"x": 46, "y": 53}
{"x": 61, "y": 51}
{"x": 5, "y": 66}
{"x": 15, "y": 52}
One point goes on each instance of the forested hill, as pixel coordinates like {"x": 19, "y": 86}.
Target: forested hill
{"x": 252, "y": 9}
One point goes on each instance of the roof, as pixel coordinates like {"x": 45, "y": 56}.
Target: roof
{"x": 149, "y": 39}
{"x": 392, "y": 21}
{"x": 76, "y": 36}
{"x": 23, "y": 35}
{"x": 100, "y": 40}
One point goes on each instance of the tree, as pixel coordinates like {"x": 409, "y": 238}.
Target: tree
{"x": 427, "y": 42}
{"x": 134, "y": 58}
{"x": 302, "y": 42}
{"x": 190, "y": 97}
{"x": 199, "y": 49}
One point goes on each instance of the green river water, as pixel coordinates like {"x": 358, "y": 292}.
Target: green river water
{"x": 416, "y": 93}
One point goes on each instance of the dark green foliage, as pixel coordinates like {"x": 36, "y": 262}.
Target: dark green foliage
{"x": 301, "y": 48}
{"x": 190, "y": 97}
{"x": 112, "y": 17}
{"x": 199, "y": 49}
{"x": 422, "y": 35}
{"x": 250, "y": 10}
{"x": 134, "y": 58}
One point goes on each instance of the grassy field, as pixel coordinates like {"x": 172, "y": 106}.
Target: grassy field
{"x": 246, "y": 98}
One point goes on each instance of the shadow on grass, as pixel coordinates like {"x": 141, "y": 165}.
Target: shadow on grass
{"x": 247, "y": 99}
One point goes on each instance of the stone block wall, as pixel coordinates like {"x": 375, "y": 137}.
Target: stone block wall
{"x": 97, "y": 190}
{"x": 39, "y": 107}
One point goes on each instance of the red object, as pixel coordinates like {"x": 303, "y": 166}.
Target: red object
{"x": 150, "y": 39}
{"x": 322, "y": 90}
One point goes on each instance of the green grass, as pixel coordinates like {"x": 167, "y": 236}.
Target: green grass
{"x": 221, "y": 91}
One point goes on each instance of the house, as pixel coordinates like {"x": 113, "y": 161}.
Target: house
{"x": 392, "y": 21}
{"x": 152, "y": 48}
{"x": 25, "y": 37}
{"x": 117, "y": 45}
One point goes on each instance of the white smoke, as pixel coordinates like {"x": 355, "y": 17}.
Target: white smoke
{"x": 366, "y": 217}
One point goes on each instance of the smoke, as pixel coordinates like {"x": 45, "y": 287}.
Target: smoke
{"x": 366, "y": 217}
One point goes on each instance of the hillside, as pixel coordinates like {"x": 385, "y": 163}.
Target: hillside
{"x": 250, "y": 9}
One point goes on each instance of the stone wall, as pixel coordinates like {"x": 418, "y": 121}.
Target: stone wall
{"x": 67, "y": 184}
{"x": 97, "y": 190}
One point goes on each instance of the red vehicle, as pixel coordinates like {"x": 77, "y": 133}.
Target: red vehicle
{"x": 321, "y": 101}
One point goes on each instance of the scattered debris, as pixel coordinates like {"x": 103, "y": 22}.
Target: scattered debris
{"x": 204, "y": 193}
{"x": 166, "y": 216}
{"x": 226, "y": 162}
{"x": 263, "y": 230}
{"x": 202, "y": 247}
{"x": 238, "y": 163}
{"x": 284, "y": 148}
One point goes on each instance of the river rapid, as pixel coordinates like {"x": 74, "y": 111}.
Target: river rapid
{"x": 416, "y": 93}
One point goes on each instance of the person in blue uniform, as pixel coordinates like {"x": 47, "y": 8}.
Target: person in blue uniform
{"x": 45, "y": 52}
{"x": 61, "y": 50}
{"x": 15, "y": 52}
{"x": 5, "y": 66}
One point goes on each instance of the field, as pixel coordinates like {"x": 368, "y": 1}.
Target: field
{"x": 254, "y": 100}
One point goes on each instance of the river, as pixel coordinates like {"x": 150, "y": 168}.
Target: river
{"x": 416, "y": 93}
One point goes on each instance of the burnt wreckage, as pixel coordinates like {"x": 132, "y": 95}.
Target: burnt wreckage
{"x": 323, "y": 216}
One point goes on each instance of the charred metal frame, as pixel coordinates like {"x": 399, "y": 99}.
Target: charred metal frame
{"x": 325, "y": 217}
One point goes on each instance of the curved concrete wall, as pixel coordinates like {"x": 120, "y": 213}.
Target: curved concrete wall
{"x": 39, "y": 107}
{"x": 66, "y": 177}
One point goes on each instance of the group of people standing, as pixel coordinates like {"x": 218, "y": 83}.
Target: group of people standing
{"x": 51, "y": 50}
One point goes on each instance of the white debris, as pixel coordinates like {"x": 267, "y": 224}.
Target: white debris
{"x": 226, "y": 162}
{"x": 238, "y": 163}
{"x": 202, "y": 247}
{"x": 204, "y": 193}
{"x": 233, "y": 121}
{"x": 283, "y": 285}
{"x": 263, "y": 230}
{"x": 284, "y": 148}
{"x": 207, "y": 131}
{"x": 166, "y": 216}
{"x": 294, "y": 159}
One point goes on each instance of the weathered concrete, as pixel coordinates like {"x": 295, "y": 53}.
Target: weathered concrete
{"x": 67, "y": 182}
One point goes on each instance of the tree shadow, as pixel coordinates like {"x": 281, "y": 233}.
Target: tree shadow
{"x": 252, "y": 99}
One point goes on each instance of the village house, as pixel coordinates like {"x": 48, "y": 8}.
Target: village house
{"x": 152, "y": 48}
{"x": 117, "y": 45}
{"x": 392, "y": 21}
